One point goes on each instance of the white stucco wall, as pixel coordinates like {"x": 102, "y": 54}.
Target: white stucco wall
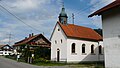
{"x": 6, "y": 52}
{"x": 58, "y": 35}
{"x": 78, "y": 56}
{"x": 111, "y": 33}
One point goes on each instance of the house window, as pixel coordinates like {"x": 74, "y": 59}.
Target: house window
{"x": 92, "y": 49}
{"x": 73, "y": 48}
{"x": 58, "y": 29}
{"x": 83, "y": 48}
{"x": 61, "y": 40}
{"x": 5, "y": 53}
{"x": 100, "y": 49}
{"x": 1, "y": 52}
{"x": 55, "y": 42}
{"x": 38, "y": 43}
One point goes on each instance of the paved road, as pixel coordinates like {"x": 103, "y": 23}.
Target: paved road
{"x": 8, "y": 63}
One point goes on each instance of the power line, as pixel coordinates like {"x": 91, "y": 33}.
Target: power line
{"x": 97, "y": 3}
{"x": 18, "y": 18}
{"x": 85, "y": 9}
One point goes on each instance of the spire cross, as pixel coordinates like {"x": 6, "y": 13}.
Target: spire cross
{"x": 73, "y": 18}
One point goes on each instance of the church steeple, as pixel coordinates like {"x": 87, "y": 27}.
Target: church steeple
{"x": 63, "y": 16}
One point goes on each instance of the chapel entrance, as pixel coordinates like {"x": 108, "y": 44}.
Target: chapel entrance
{"x": 58, "y": 55}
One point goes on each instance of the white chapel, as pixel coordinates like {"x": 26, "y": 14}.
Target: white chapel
{"x": 74, "y": 43}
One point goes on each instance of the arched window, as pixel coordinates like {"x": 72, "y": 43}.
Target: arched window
{"x": 61, "y": 40}
{"x": 100, "y": 49}
{"x": 92, "y": 48}
{"x": 73, "y": 48}
{"x": 83, "y": 48}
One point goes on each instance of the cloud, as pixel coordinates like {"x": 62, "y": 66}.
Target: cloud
{"x": 97, "y": 4}
{"x": 24, "y": 5}
{"x": 5, "y": 40}
{"x": 40, "y": 14}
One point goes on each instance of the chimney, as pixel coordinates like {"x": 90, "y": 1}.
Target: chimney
{"x": 32, "y": 34}
{"x": 29, "y": 35}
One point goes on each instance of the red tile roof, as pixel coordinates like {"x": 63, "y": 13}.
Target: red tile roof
{"x": 108, "y": 7}
{"x": 2, "y": 46}
{"x": 80, "y": 32}
{"x": 27, "y": 40}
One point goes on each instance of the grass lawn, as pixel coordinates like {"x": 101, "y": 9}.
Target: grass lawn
{"x": 69, "y": 65}
{"x": 86, "y": 66}
{"x": 49, "y": 64}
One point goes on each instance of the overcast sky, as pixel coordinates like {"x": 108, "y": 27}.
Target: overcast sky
{"x": 42, "y": 16}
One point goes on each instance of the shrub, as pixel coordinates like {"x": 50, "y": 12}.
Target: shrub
{"x": 39, "y": 60}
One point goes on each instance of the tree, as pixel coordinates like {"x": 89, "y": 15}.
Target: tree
{"x": 41, "y": 52}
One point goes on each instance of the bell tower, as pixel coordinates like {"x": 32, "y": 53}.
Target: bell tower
{"x": 63, "y": 16}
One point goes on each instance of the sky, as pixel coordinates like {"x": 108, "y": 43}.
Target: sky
{"x": 40, "y": 16}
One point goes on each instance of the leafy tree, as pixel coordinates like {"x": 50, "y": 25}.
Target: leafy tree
{"x": 26, "y": 53}
{"x": 42, "y": 52}
{"x": 39, "y": 52}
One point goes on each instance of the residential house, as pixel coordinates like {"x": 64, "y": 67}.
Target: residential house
{"x": 111, "y": 33}
{"x": 33, "y": 41}
{"x": 6, "y": 50}
{"x": 73, "y": 43}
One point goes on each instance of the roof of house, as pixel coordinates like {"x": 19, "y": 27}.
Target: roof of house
{"x": 1, "y": 46}
{"x": 80, "y": 32}
{"x": 106, "y": 8}
{"x": 26, "y": 40}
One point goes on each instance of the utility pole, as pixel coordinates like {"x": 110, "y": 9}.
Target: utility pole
{"x": 9, "y": 37}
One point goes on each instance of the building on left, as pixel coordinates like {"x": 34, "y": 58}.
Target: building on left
{"x": 33, "y": 47}
{"x": 6, "y": 50}
{"x": 33, "y": 41}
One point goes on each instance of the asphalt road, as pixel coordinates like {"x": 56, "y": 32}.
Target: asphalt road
{"x": 8, "y": 63}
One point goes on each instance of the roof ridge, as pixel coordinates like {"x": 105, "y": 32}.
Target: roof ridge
{"x": 29, "y": 39}
{"x": 26, "y": 39}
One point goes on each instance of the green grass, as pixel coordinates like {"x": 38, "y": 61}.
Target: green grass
{"x": 86, "y": 66}
{"x": 49, "y": 64}
{"x": 70, "y": 65}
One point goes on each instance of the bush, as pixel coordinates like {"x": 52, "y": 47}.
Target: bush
{"x": 41, "y": 60}
{"x": 11, "y": 57}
